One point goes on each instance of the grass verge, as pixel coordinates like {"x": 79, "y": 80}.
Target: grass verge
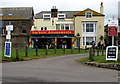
{"x": 41, "y": 54}
{"x": 99, "y": 59}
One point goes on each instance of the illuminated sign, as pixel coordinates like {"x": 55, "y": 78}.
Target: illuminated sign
{"x": 52, "y": 32}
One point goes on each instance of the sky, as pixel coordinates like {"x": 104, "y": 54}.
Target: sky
{"x": 110, "y": 6}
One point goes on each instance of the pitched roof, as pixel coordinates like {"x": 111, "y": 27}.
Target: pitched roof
{"x": 69, "y": 14}
{"x": 16, "y": 13}
{"x": 82, "y": 13}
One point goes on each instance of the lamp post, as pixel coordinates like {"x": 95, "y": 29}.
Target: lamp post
{"x": 78, "y": 41}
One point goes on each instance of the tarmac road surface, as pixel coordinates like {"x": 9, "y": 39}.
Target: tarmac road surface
{"x": 56, "y": 69}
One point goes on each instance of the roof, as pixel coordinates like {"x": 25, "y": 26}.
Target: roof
{"x": 16, "y": 13}
{"x": 82, "y": 13}
{"x": 69, "y": 14}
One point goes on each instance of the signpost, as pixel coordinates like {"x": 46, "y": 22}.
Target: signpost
{"x": 112, "y": 51}
{"x": 8, "y": 44}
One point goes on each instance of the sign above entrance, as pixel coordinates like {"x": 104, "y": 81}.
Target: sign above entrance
{"x": 52, "y": 32}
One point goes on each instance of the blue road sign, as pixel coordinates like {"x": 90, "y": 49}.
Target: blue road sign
{"x": 7, "y": 52}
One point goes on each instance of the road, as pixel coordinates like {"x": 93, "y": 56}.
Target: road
{"x": 56, "y": 69}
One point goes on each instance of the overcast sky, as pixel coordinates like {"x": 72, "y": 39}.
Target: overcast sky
{"x": 110, "y": 6}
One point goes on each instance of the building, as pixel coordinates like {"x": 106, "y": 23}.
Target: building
{"x": 89, "y": 27}
{"x": 74, "y": 29}
{"x": 53, "y": 28}
{"x": 22, "y": 20}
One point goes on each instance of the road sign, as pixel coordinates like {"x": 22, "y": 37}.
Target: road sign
{"x": 9, "y": 27}
{"x": 7, "y": 51}
{"x": 112, "y": 31}
{"x": 8, "y": 36}
{"x": 112, "y": 53}
{"x": 113, "y": 22}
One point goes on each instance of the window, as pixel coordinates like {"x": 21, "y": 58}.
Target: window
{"x": 88, "y": 14}
{"x": 10, "y": 14}
{"x": 46, "y": 16}
{"x": 1, "y": 14}
{"x": 61, "y": 16}
{"x": 57, "y": 26}
{"x": 43, "y": 28}
{"x": 24, "y": 23}
{"x": 89, "y": 26}
{"x": 89, "y": 40}
{"x": 71, "y": 27}
{"x": 67, "y": 27}
{"x": 64, "y": 27}
{"x": 23, "y": 31}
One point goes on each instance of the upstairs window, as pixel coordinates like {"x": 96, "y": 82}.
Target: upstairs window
{"x": 89, "y": 26}
{"x": 46, "y": 16}
{"x": 88, "y": 14}
{"x": 1, "y": 14}
{"x": 61, "y": 16}
{"x": 43, "y": 28}
{"x": 10, "y": 14}
{"x": 64, "y": 27}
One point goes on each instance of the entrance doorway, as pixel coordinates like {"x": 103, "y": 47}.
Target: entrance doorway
{"x": 64, "y": 41}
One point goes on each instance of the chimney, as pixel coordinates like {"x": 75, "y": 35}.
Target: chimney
{"x": 54, "y": 11}
{"x": 101, "y": 8}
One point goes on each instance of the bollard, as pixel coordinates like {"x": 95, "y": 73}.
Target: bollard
{"x": 36, "y": 52}
{"x": 85, "y": 48}
{"x": 17, "y": 55}
{"x": 55, "y": 50}
{"x": 102, "y": 50}
{"x": 46, "y": 50}
{"x": 90, "y": 54}
{"x": 26, "y": 52}
{"x": 93, "y": 51}
{"x": 64, "y": 49}
{"x": 97, "y": 51}
{"x": 79, "y": 49}
{"x": 71, "y": 50}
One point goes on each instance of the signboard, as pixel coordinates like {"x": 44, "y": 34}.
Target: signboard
{"x": 9, "y": 27}
{"x": 112, "y": 31}
{"x": 7, "y": 51}
{"x": 112, "y": 53}
{"x": 52, "y": 32}
{"x": 113, "y": 22}
{"x": 8, "y": 36}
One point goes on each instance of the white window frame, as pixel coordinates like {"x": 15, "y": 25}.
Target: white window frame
{"x": 84, "y": 26}
{"x": 85, "y": 37}
{"x": 64, "y": 16}
{"x": 64, "y": 25}
{"x": 1, "y": 14}
{"x": 10, "y": 14}
{"x": 46, "y": 18}
{"x": 86, "y": 14}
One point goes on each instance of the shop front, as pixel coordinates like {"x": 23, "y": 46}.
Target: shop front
{"x": 51, "y": 39}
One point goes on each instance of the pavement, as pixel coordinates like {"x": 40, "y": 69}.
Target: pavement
{"x": 56, "y": 69}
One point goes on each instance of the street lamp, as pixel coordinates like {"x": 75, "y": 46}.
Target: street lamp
{"x": 78, "y": 41}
